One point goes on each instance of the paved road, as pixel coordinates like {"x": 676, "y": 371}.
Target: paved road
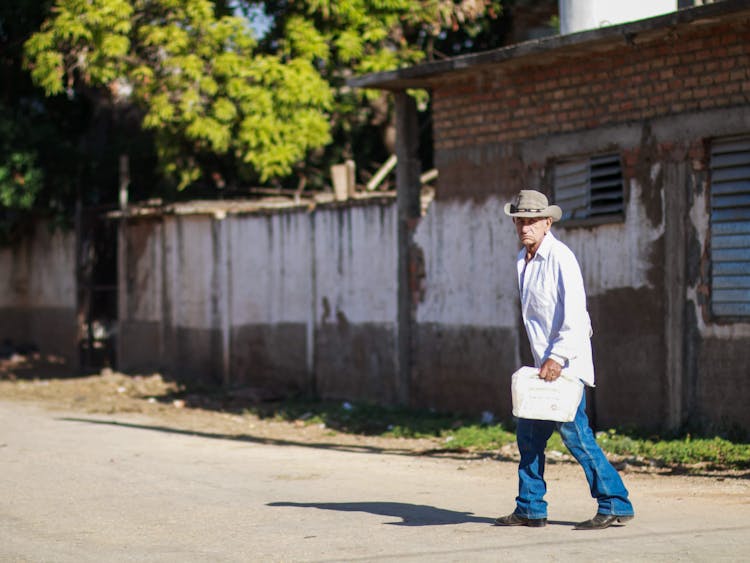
{"x": 91, "y": 488}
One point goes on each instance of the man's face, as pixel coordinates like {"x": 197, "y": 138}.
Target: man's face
{"x": 531, "y": 230}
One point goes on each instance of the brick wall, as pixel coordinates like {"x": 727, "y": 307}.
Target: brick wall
{"x": 684, "y": 70}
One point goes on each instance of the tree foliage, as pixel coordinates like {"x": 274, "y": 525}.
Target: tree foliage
{"x": 343, "y": 39}
{"x": 20, "y": 173}
{"x": 361, "y": 36}
{"x": 37, "y": 135}
{"x": 220, "y": 108}
{"x": 21, "y": 176}
{"x": 196, "y": 77}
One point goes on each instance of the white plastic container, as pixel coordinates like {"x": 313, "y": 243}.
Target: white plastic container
{"x": 537, "y": 399}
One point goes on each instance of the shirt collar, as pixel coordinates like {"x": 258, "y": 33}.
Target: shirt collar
{"x": 546, "y": 246}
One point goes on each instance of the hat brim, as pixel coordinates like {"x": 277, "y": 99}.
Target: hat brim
{"x": 554, "y": 212}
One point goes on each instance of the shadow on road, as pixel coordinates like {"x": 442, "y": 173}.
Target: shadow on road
{"x": 354, "y": 448}
{"x": 409, "y": 514}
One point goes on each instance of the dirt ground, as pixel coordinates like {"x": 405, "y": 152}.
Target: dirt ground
{"x": 36, "y": 380}
{"x": 115, "y": 393}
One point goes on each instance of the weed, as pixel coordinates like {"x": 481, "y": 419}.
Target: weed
{"x": 455, "y": 432}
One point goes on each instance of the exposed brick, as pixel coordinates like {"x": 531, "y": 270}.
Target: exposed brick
{"x": 712, "y": 66}
{"x": 690, "y": 82}
{"x": 704, "y": 68}
{"x": 735, "y": 50}
{"x": 720, "y": 53}
{"x": 685, "y": 58}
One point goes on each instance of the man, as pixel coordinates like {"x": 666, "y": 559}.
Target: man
{"x": 553, "y": 306}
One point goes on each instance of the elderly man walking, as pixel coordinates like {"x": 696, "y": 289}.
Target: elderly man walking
{"x": 553, "y": 304}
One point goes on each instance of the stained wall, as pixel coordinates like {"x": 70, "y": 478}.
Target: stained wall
{"x": 38, "y": 294}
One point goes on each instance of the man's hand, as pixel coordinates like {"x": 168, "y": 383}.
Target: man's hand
{"x": 550, "y": 370}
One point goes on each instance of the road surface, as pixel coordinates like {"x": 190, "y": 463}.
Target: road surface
{"x": 128, "y": 488}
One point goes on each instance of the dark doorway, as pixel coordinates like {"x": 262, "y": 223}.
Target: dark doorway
{"x": 97, "y": 288}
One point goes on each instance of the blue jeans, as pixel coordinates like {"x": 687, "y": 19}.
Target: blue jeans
{"x": 604, "y": 482}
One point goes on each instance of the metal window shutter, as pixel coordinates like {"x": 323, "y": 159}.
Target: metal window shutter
{"x": 606, "y": 185}
{"x": 571, "y": 188}
{"x": 730, "y": 227}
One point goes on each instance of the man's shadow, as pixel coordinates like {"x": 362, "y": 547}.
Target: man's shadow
{"x": 409, "y": 514}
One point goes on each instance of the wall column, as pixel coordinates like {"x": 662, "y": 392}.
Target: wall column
{"x": 407, "y": 198}
{"x": 675, "y": 220}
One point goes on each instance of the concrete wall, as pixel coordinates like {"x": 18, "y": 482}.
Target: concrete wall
{"x": 38, "y": 293}
{"x": 355, "y": 277}
{"x": 289, "y": 300}
{"x": 467, "y": 326}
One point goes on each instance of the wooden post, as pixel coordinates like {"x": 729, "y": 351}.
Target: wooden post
{"x": 675, "y": 289}
{"x": 122, "y": 257}
{"x": 407, "y": 198}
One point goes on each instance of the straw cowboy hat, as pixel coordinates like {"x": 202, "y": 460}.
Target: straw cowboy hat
{"x": 531, "y": 203}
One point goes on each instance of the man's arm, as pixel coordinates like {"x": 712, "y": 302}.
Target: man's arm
{"x": 575, "y": 326}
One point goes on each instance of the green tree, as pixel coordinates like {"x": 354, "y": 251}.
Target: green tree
{"x": 21, "y": 176}
{"x": 31, "y": 132}
{"x": 20, "y": 173}
{"x": 195, "y": 76}
{"x": 222, "y": 110}
{"x": 346, "y": 38}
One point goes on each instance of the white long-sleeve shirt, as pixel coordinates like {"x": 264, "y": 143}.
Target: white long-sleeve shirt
{"x": 553, "y": 306}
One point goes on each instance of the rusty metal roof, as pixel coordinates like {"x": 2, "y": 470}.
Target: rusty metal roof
{"x": 220, "y": 208}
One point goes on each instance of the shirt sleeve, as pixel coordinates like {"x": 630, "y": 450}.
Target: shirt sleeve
{"x": 574, "y": 324}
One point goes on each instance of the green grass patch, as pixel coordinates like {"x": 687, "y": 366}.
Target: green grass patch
{"x": 455, "y": 432}
{"x": 362, "y": 418}
{"x": 688, "y": 450}
{"x": 477, "y": 437}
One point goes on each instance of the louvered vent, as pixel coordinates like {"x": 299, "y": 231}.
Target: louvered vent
{"x": 730, "y": 227}
{"x": 605, "y": 179}
{"x": 588, "y": 188}
{"x": 572, "y": 188}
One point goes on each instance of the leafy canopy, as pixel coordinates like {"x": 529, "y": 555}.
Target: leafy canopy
{"x": 346, "y": 38}
{"x": 364, "y": 36}
{"x": 195, "y": 76}
{"x": 20, "y": 175}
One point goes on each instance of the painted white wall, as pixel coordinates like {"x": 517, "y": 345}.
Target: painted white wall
{"x": 470, "y": 255}
{"x": 40, "y": 272}
{"x": 259, "y": 268}
{"x": 356, "y": 263}
{"x": 615, "y": 255}
{"x": 265, "y": 275}
{"x": 190, "y": 270}
{"x": 580, "y": 15}
{"x": 145, "y": 304}
{"x": 269, "y": 268}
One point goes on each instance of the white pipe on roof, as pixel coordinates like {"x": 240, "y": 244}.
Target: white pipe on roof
{"x": 580, "y": 15}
